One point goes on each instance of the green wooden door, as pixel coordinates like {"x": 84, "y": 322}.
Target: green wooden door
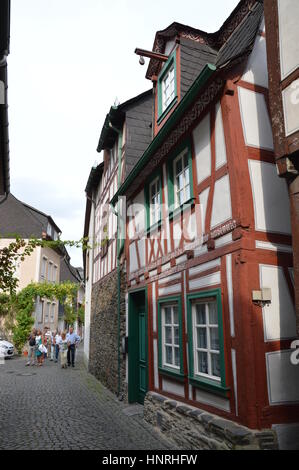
{"x": 138, "y": 344}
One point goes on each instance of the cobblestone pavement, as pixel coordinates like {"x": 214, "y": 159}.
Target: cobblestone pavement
{"x": 52, "y": 408}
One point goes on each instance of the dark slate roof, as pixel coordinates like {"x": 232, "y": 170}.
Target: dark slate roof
{"x": 116, "y": 117}
{"x": 17, "y": 218}
{"x": 94, "y": 178}
{"x": 242, "y": 39}
{"x": 139, "y": 130}
{"x": 69, "y": 272}
{"x": 233, "y": 39}
{"x": 194, "y": 57}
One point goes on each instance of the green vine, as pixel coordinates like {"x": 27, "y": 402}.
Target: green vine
{"x": 23, "y": 305}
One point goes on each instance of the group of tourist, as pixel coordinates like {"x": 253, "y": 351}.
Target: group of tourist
{"x": 46, "y": 344}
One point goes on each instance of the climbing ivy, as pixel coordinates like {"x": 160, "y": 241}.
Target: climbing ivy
{"x": 24, "y": 301}
{"x": 19, "y": 249}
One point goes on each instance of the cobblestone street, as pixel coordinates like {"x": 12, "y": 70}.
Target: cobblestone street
{"x": 50, "y": 408}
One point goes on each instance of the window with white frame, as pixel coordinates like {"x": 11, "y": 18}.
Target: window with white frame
{"x": 206, "y": 339}
{"x": 168, "y": 88}
{"x": 49, "y": 229}
{"x": 181, "y": 172}
{"x": 155, "y": 201}
{"x": 50, "y": 268}
{"x": 170, "y": 336}
{"x": 43, "y": 269}
{"x": 54, "y": 274}
{"x": 52, "y": 313}
{"x": 47, "y": 312}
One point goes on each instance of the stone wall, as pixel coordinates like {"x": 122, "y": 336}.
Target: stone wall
{"x": 191, "y": 428}
{"x": 103, "y": 355}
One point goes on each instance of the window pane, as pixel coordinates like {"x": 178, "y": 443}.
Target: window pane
{"x": 187, "y": 192}
{"x": 186, "y": 163}
{"x": 215, "y": 360}
{"x": 202, "y": 362}
{"x": 214, "y": 338}
{"x": 168, "y": 335}
{"x": 175, "y": 316}
{"x": 187, "y": 176}
{"x": 168, "y": 354}
{"x": 176, "y": 335}
{"x": 168, "y": 315}
{"x": 181, "y": 197}
{"x": 200, "y": 314}
{"x": 213, "y": 317}
{"x": 202, "y": 338}
{"x": 177, "y": 357}
{"x": 178, "y": 166}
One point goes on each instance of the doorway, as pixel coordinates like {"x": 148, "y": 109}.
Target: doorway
{"x": 138, "y": 346}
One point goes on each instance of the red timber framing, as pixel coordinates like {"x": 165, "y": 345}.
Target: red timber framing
{"x": 166, "y": 273}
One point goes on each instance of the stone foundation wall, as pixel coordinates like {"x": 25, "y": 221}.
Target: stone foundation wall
{"x": 103, "y": 356}
{"x": 193, "y": 429}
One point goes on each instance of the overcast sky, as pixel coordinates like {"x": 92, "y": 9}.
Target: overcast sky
{"x": 69, "y": 60}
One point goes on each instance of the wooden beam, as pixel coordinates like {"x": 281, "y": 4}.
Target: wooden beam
{"x": 151, "y": 55}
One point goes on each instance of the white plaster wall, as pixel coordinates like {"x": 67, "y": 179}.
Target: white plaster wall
{"x": 205, "y": 266}
{"x": 176, "y": 288}
{"x": 212, "y": 400}
{"x": 203, "y": 198}
{"x": 257, "y": 70}
{"x": 205, "y": 281}
{"x": 271, "y": 199}
{"x": 172, "y": 387}
{"x": 222, "y": 209}
{"x": 279, "y": 317}
{"x": 255, "y": 119}
{"x": 133, "y": 258}
{"x": 283, "y": 378}
{"x": 288, "y": 36}
{"x": 219, "y": 138}
{"x": 141, "y": 251}
{"x": 202, "y": 146}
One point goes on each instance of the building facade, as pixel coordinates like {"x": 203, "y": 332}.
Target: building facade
{"x": 210, "y": 293}
{"x": 125, "y": 135}
{"x": 43, "y": 265}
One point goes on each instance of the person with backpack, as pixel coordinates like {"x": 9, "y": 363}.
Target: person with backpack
{"x": 32, "y": 348}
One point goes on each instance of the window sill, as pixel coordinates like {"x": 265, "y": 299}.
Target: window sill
{"x": 179, "y": 210}
{"x": 172, "y": 373}
{"x": 169, "y": 107}
{"x": 210, "y": 385}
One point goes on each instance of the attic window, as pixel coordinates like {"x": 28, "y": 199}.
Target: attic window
{"x": 49, "y": 230}
{"x": 167, "y": 87}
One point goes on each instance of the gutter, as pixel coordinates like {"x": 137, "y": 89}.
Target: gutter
{"x": 201, "y": 80}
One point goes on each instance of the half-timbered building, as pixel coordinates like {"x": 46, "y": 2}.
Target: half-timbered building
{"x": 209, "y": 279}
{"x": 126, "y": 133}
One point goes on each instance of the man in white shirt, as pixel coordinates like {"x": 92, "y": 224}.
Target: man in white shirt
{"x": 56, "y": 342}
{"x": 72, "y": 340}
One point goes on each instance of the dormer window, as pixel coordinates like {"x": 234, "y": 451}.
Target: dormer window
{"x": 167, "y": 87}
{"x": 49, "y": 230}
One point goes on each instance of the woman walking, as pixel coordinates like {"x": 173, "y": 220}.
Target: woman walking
{"x": 63, "y": 346}
{"x": 39, "y": 348}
